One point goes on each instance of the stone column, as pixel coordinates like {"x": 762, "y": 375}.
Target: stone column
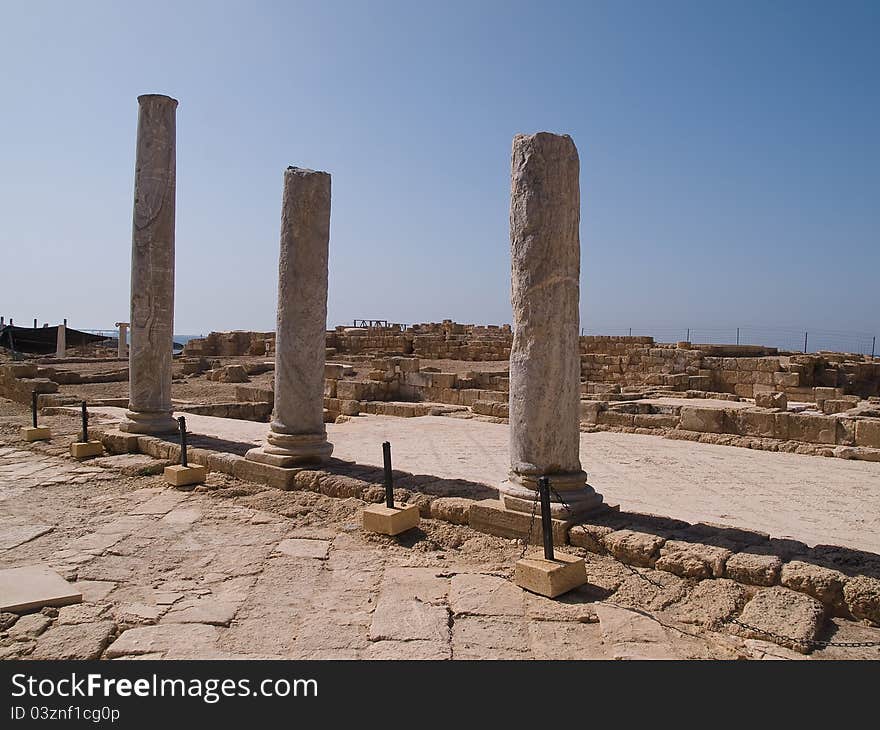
{"x": 122, "y": 344}
{"x": 544, "y": 358}
{"x": 61, "y": 341}
{"x": 297, "y": 434}
{"x": 152, "y": 269}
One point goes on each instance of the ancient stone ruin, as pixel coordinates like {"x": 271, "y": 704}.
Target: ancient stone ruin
{"x": 693, "y": 546}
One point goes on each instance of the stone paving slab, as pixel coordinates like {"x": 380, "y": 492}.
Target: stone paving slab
{"x": 34, "y": 586}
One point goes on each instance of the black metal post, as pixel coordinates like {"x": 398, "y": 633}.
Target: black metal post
{"x": 688, "y": 338}
{"x": 873, "y": 345}
{"x": 85, "y": 419}
{"x": 805, "y": 342}
{"x": 389, "y": 484}
{"x": 546, "y": 524}
{"x": 34, "y": 407}
{"x": 737, "y": 335}
{"x": 181, "y": 422}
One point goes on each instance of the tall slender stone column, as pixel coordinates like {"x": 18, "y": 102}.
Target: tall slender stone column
{"x": 544, "y": 358}
{"x": 122, "y": 342}
{"x": 61, "y": 341}
{"x": 297, "y": 434}
{"x": 152, "y": 269}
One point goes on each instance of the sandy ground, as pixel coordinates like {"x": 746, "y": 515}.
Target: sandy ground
{"x": 812, "y": 499}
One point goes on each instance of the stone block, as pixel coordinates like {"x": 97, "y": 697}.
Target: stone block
{"x": 634, "y": 548}
{"x": 550, "y": 578}
{"x": 868, "y": 433}
{"x": 33, "y": 587}
{"x": 754, "y": 569}
{"x": 390, "y": 520}
{"x": 178, "y": 475}
{"x": 590, "y": 537}
{"x": 692, "y": 560}
{"x": 862, "y": 596}
{"x": 85, "y": 449}
{"x": 823, "y": 584}
{"x": 812, "y": 429}
{"x": 491, "y": 517}
{"x": 779, "y": 612}
{"x": 771, "y": 400}
{"x": 705, "y": 420}
{"x": 451, "y": 509}
{"x": 40, "y": 433}
{"x": 120, "y": 442}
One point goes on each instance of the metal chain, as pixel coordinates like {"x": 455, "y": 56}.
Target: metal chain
{"x": 528, "y": 540}
{"x": 810, "y": 643}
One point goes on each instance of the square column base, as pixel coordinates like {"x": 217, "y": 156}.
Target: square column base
{"x": 183, "y": 476}
{"x": 550, "y": 578}
{"x": 38, "y": 433}
{"x": 390, "y": 521}
{"x": 85, "y": 449}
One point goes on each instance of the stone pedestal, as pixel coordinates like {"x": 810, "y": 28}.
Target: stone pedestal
{"x": 183, "y": 476}
{"x": 86, "y": 449}
{"x": 152, "y": 269}
{"x": 297, "y": 435}
{"x": 390, "y": 520}
{"x": 36, "y": 433}
{"x": 122, "y": 345}
{"x": 544, "y": 357}
{"x": 550, "y": 578}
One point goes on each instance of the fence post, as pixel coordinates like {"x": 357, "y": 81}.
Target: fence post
{"x": 737, "y": 335}
{"x": 630, "y": 331}
{"x": 873, "y": 345}
{"x": 688, "y": 338}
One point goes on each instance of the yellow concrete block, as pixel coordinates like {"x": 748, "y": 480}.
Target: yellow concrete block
{"x": 390, "y": 521}
{"x": 85, "y": 449}
{"x": 550, "y": 578}
{"x": 41, "y": 433}
{"x": 182, "y": 476}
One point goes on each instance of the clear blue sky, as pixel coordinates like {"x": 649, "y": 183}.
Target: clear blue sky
{"x": 730, "y": 155}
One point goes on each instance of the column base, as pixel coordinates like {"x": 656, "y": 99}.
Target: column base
{"x": 148, "y": 422}
{"x": 289, "y": 450}
{"x": 519, "y": 493}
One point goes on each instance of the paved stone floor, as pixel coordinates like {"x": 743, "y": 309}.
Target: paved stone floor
{"x": 240, "y": 570}
{"x": 813, "y": 499}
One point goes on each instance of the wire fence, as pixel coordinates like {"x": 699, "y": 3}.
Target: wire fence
{"x": 782, "y": 338}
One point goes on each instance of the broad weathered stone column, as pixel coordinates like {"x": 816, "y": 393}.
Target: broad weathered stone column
{"x": 61, "y": 341}
{"x": 297, "y": 433}
{"x": 152, "y": 269}
{"x": 122, "y": 344}
{"x": 544, "y": 358}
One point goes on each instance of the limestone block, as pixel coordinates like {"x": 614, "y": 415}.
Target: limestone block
{"x": 182, "y": 476}
{"x": 590, "y": 537}
{"x": 692, "y": 560}
{"x": 32, "y": 587}
{"x": 85, "y": 449}
{"x": 635, "y": 548}
{"x": 812, "y": 429}
{"x": 550, "y": 578}
{"x": 771, "y": 400}
{"x": 706, "y": 420}
{"x": 862, "y": 595}
{"x": 491, "y": 517}
{"x": 390, "y": 520}
{"x": 783, "y": 612}
{"x": 451, "y": 509}
{"x": 40, "y": 433}
{"x": 868, "y": 432}
{"x": 824, "y": 584}
{"x": 754, "y": 569}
